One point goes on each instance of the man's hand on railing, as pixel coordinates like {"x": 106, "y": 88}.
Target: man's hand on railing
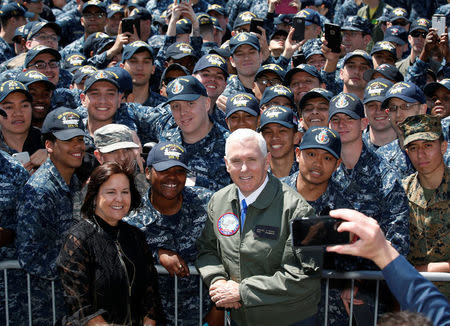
{"x": 225, "y": 294}
{"x": 173, "y": 263}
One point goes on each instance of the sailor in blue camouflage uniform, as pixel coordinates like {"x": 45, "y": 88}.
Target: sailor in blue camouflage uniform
{"x": 235, "y": 7}
{"x": 44, "y": 210}
{"x": 402, "y": 100}
{"x": 13, "y": 177}
{"x": 372, "y": 187}
{"x": 172, "y": 220}
{"x": 347, "y": 9}
{"x": 157, "y": 7}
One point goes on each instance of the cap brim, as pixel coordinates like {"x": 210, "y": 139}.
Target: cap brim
{"x": 245, "y": 109}
{"x": 116, "y": 146}
{"x": 25, "y": 92}
{"x": 311, "y": 95}
{"x": 182, "y": 55}
{"x": 430, "y": 88}
{"x": 28, "y": 14}
{"x": 162, "y": 166}
{"x": 394, "y": 39}
{"x": 68, "y": 133}
{"x": 242, "y": 43}
{"x": 283, "y": 123}
{"x": 350, "y": 113}
{"x": 402, "y": 97}
{"x": 184, "y": 97}
{"x": 47, "y": 82}
{"x": 373, "y": 98}
{"x": 368, "y": 74}
{"x": 421, "y": 136}
{"x": 321, "y": 147}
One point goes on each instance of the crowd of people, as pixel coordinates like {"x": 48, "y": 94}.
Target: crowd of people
{"x": 192, "y": 132}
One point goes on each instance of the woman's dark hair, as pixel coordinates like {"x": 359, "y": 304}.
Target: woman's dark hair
{"x": 99, "y": 176}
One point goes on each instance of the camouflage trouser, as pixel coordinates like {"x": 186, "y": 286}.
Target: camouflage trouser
{"x": 337, "y": 314}
{"x": 41, "y": 300}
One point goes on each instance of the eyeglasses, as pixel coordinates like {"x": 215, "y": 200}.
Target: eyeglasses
{"x": 44, "y": 37}
{"x": 41, "y": 65}
{"x": 269, "y": 82}
{"x": 403, "y": 107}
{"x": 417, "y": 34}
{"x": 94, "y": 15}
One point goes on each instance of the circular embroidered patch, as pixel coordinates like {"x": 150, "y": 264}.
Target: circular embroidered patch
{"x": 228, "y": 224}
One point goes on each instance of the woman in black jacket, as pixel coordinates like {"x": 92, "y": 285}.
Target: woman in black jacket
{"x": 105, "y": 264}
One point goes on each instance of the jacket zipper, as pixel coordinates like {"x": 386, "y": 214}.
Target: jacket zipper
{"x": 119, "y": 250}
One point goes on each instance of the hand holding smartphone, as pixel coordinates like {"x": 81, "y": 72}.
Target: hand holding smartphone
{"x": 254, "y": 23}
{"x": 299, "y": 29}
{"x": 333, "y": 37}
{"x": 317, "y": 232}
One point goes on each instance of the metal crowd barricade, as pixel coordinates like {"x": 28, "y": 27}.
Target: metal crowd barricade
{"x": 326, "y": 274}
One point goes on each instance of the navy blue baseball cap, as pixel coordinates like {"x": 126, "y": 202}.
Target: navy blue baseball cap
{"x": 36, "y": 28}
{"x": 274, "y": 91}
{"x": 204, "y": 19}
{"x": 302, "y": 67}
{"x": 244, "y": 38}
{"x": 311, "y": 16}
{"x": 94, "y": 3}
{"x": 63, "y": 123}
{"x": 185, "y": 88}
{"x": 11, "y": 86}
{"x": 136, "y": 3}
{"x": 420, "y": 23}
{"x": 430, "y": 88}
{"x": 14, "y": 9}
{"x": 385, "y": 46}
{"x": 283, "y": 19}
{"x": 357, "y": 23}
{"x": 173, "y": 66}
{"x": 406, "y": 91}
{"x": 376, "y": 90}
{"x": 358, "y": 53}
{"x": 399, "y": 14}
{"x": 396, "y": 34}
{"x": 22, "y": 31}
{"x": 140, "y": 13}
{"x": 123, "y": 78}
{"x": 82, "y": 73}
{"x": 243, "y": 18}
{"x": 347, "y": 103}
{"x": 40, "y": 49}
{"x": 277, "y": 32}
{"x": 323, "y": 138}
{"x": 271, "y": 67}
{"x": 211, "y": 60}
{"x": 183, "y": 26}
{"x": 101, "y": 75}
{"x": 242, "y": 102}
{"x": 279, "y": 114}
{"x": 32, "y": 76}
{"x": 217, "y": 8}
{"x": 114, "y": 8}
{"x": 388, "y": 71}
{"x": 96, "y": 42}
{"x": 179, "y": 50}
{"x": 74, "y": 62}
{"x": 166, "y": 155}
{"x": 314, "y": 93}
{"x": 130, "y": 49}
{"x": 216, "y": 23}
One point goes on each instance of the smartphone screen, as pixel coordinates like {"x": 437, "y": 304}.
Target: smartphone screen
{"x": 317, "y": 231}
{"x": 333, "y": 37}
{"x": 127, "y": 25}
{"x": 438, "y": 22}
{"x": 299, "y": 26}
{"x": 254, "y": 23}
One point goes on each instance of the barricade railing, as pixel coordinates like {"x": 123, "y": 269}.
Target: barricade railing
{"x": 326, "y": 274}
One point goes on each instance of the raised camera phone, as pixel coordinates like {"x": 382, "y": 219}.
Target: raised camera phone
{"x": 298, "y": 59}
{"x": 299, "y": 29}
{"x": 254, "y": 23}
{"x": 317, "y": 231}
{"x": 438, "y": 22}
{"x": 128, "y": 23}
{"x": 333, "y": 37}
{"x": 22, "y": 157}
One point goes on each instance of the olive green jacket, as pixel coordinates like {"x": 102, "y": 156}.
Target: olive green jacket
{"x": 277, "y": 285}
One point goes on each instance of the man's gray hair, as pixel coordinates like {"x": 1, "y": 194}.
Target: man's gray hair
{"x": 243, "y": 135}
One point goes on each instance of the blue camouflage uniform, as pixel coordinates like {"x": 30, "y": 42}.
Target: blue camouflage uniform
{"x": 234, "y": 86}
{"x": 154, "y": 99}
{"x": 44, "y": 212}
{"x": 366, "y": 139}
{"x": 294, "y": 170}
{"x": 218, "y": 116}
{"x": 6, "y": 51}
{"x": 74, "y": 47}
{"x": 156, "y": 7}
{"x": 347, "y": 9}
{"x": 13, "y": 177}
{"x": 71, "y": 28}
{"x": 177, "y": 233}
{"x": 396, "y": 157}
{"x": 156, "y": 41}
{"x": 235, "y": 7}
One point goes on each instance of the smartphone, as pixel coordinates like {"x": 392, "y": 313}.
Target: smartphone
{"x": 299, "y": 25}
{"x": 128, "y": 23}
{"x": 22, "y": 157}
{"x": 254, "y": 23}
{"x": 298, "y": 59}
{"x": 438, "y": 22}
{"x": 317, "y": 231}
{"x": 333, "y": 37}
